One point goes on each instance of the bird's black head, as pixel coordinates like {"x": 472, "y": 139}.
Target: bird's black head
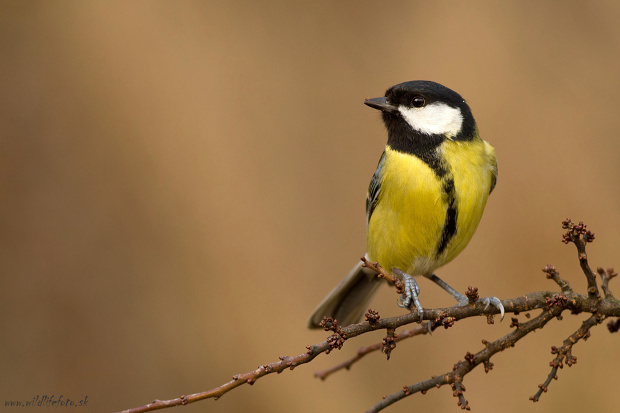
{"x": 423, "y": 114}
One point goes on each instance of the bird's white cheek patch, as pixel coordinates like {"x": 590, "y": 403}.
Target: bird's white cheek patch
{"x": 436, "y": 118}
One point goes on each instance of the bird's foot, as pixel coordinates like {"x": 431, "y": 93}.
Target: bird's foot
{"x": 486, "y": 301}
{"x": 409, "y": 298}
{"x": 495, "y": 302}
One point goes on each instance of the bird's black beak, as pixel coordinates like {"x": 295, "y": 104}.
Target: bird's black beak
{"x": 381, "y": 104}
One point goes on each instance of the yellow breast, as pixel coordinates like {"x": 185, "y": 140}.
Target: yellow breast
{"x": 406, "y": 227}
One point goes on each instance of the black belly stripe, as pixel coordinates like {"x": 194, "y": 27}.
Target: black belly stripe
{"x": 442, "y": 170}
{"x": 449, "y": 226}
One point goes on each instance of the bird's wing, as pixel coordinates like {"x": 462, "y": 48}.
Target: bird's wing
{"x": 372, "y": 197}
{"x": 491, "y": 154}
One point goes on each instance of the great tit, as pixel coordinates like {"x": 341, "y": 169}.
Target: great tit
{"x": 425, "y": 199}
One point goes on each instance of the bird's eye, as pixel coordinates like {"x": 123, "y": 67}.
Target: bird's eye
{"x": 418, "y": 102}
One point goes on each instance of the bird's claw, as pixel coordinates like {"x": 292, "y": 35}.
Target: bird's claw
{"x": 410, "y": 295}
{"x": 495, "y": 302}
{"x": 429, "y": 327}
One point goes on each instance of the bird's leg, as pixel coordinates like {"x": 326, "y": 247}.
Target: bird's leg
{"x": 410, "y": 295}
{"x": 460, "y": 298}
{"x": 463, "y": 300}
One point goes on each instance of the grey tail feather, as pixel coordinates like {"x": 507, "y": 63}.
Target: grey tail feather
{"x": 347, "y": 302}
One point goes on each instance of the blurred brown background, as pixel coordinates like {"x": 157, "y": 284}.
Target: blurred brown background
{"x": 183, "y": 182}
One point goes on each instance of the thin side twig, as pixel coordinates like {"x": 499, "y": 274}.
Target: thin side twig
{"x": 363, "y": 351}
{"x": 579, "y": 235}
{"x": 564, "y": 353}
{"x": 606, "y": 276}
{"x": 462, "y": 368}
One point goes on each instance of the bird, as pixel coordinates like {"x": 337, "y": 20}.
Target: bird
{"x": 425, "y": 199}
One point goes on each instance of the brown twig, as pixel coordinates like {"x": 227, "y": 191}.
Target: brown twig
{"x": 523, "y": 303}
{"x": 553, "y": 274}
{"x": 381, "y": 273}
{"x": 606, "y": 276}
{"x": 471, "y": 361}
{"x": 577, "y": 302}
{"x": 552, "y": 304}
{"x": 363, "y": 351}
{"x": 580, "y": 236}
{"x": 564, "y": 353}
{"x": 238, "y": 380}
